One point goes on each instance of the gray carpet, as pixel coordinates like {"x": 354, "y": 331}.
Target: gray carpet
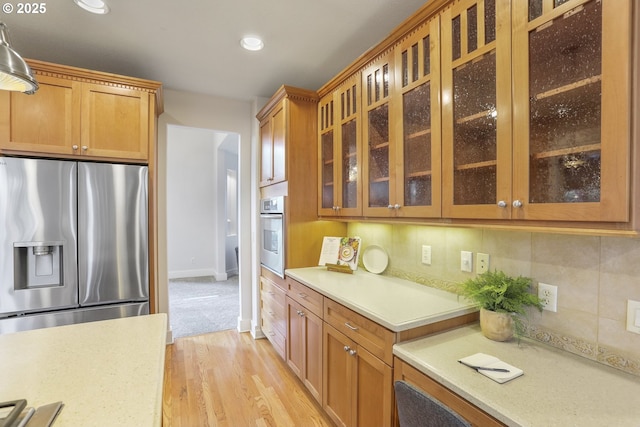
{"x": 199, "y": 305}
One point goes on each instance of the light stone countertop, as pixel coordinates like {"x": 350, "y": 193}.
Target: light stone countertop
{"x": 557, "y": 389}
{"x": 394, "y": 303}
{"x": 107, "y": 373}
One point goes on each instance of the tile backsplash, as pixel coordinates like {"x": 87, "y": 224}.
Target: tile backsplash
{"x": 595, "y": 277}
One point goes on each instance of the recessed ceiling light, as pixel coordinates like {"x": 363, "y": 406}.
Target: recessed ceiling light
{"x": 251, "y": 43}
{"x": 94, "y": 6}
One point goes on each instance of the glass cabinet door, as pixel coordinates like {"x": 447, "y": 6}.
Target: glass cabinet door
{"x": 418, "y": 184}
{"x": 350, "y": 147}
{"x": 571, "y": 84}
{"x": 476, "y": 104}
{"x": 340, "y": 190}
{"x": 378, "y": 157}
{"x": 327, "y": 201}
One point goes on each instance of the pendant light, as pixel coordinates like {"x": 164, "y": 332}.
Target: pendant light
{"x": 15, "y": 74}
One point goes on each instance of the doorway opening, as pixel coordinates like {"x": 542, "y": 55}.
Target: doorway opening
{"x": 202, "y": 230}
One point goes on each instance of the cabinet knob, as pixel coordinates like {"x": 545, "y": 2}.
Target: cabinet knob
{"x": 396, "y": 206}
{"x": 502, "y": 204}
{"x": 347, "y": 348}
{"x": 75, "y": 147}
{"x": 517, "y": 204}
{"x": 352, "y": 352}
{"x": 85, "y": 148}
{"x": 390, "y": 206}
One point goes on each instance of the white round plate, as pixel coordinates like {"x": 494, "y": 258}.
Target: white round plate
{"x": 375, "y": 259}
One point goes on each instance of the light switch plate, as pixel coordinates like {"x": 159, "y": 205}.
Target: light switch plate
{"x": 633, "y": 316}
{"x": 466, "y": 261}
{"x": 426, "y": 254}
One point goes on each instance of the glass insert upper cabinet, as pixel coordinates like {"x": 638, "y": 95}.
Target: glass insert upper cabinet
{"x": 571, "y": 62}
{"x": 476, "y": 109}
{"x": 379, "y": 198}
{"x": 418, "y": 178}
{"x": 340, "y": 192}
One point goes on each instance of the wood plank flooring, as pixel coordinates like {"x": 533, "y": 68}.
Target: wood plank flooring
{"x": 229, "y": 379}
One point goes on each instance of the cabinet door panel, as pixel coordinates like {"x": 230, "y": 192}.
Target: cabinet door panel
{"x": 374, "y": 394}
{"x": 47, "y": 121}
{"x": 418, "y": 171}
{"x": 312, "y": 374}
{"x": 295, "y": 337}
{"x": 279, "y": 130}
{"x": 266, "y": 153}
{"x": 379, "y": 193}
{"x": 476, "y": 103}
{"x": 115, "y": 122}
{"x": 338, "y": 372}
{"x": 571, "y": 86}
{"x": 326, "y": 154}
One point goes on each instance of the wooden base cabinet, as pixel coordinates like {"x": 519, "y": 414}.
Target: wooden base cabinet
{"x": 470, "y": 412}
{"x": 304, "y": 335}
{"x": 357, "y": 385}
{"x": 273, "y": 317}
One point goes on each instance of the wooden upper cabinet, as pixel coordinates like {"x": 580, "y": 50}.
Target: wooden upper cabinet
{"x": 476, "y": 109}
{"x": 80, "y": 112}
{"x": 379, "y": 193}
{"x": 519, "y": 112}
{"x": 340, "y": 151}
{"x": 572, "y": 92}
{"x": 115, "y": 122}
{"x": 273, "y": 148}
{"x": 47, "y": 121}
{"x": 288, "y": 135}
{"x": 416, "y": 120}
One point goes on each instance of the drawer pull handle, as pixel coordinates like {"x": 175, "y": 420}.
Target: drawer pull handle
{"x": 303, "y": 296}
{"x": 347, "y": 348}
{"x": 352, "y": 352}
{"x": 271, "y": 293}
{"x": 353, "y": 328}
{"x": 300, "y": 313}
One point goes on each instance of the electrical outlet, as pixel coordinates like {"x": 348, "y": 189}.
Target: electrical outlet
{"x": 466, "y": 261}
{"x": 482, "y": 263}
{"x": 549, "y": 296}
{"x": 426, "y": 254}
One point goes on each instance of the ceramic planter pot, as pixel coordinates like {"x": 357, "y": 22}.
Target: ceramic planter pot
{"x": 496, "y": 326}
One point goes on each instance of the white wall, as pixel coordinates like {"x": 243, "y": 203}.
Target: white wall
{"x": 191, "y": 202}
{"x": 227, "y": 115}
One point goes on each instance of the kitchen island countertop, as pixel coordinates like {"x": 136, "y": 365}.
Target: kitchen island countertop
{"x": 558, "y": 388}
{"x": 394, "y": 303}
{"x": 106, "y": 373}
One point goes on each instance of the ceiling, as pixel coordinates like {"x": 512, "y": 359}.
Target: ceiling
{"x": 194, "y": 45}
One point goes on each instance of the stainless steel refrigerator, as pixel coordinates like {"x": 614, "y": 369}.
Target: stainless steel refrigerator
{"x": 73, "y": 242}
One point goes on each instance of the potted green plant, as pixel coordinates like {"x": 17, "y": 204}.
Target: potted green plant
{"x": 502, "y": 300}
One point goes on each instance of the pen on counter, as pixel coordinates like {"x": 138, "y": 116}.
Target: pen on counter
{"x": 477, "y": 368}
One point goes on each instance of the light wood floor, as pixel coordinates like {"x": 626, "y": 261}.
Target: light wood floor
{"x": 229, "y": 379}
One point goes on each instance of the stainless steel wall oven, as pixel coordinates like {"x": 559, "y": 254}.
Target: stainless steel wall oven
{"x": 272, "y": 248}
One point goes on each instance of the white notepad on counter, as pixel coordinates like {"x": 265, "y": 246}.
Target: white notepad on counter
{"x": 494, "y": 368}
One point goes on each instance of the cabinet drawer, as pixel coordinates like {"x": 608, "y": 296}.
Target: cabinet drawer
{"x": 375, "y": 338}
{"x": 272, "y": 293}
{"x": 302, "y": 294}
{"x": 276, "y": 338}
{"x": 275, "y": 314}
